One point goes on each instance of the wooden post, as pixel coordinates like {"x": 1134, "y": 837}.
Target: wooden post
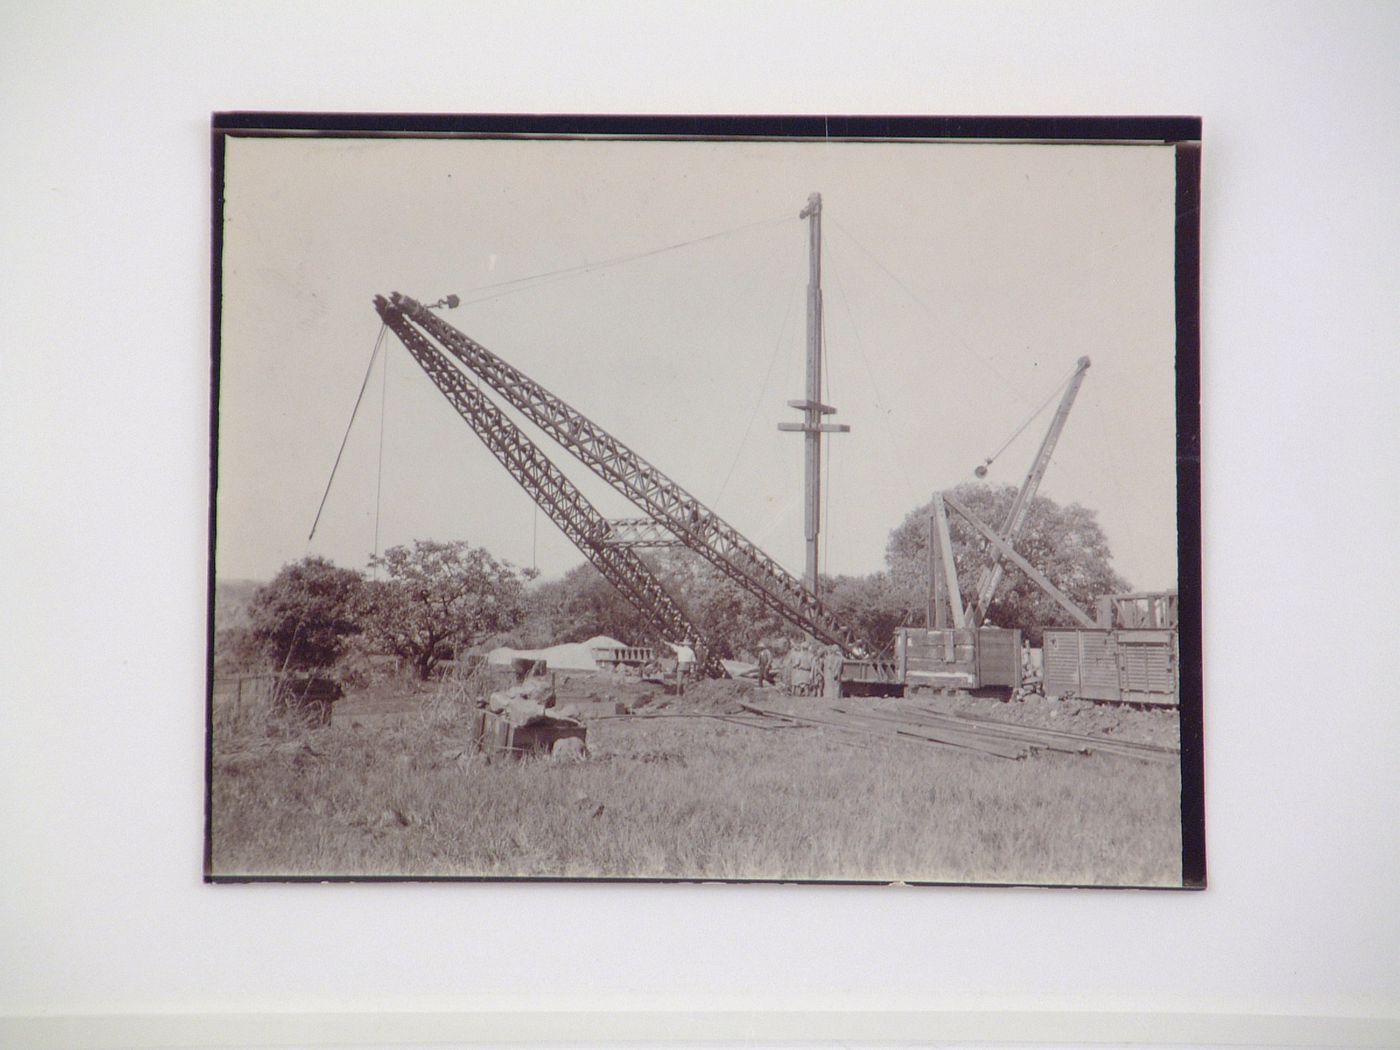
{"x": 813, "y": 450}
{"x": 945, "y": 553}
{"x": 812, "y": 427}
{"x": 938, "y": 585}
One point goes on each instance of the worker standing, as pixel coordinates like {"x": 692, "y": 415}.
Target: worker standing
{"x": 685, "y": 664}
{"x": 765, "y": 661}
{"x": 832, "y": 665}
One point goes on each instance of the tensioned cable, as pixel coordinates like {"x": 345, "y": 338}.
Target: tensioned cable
{"x": 535, "y": 280}
{"x": 379, "y": 470}
{"x": 874, "y": 385}
{"x": 826, "y": 511}
{"x": 1031, "y": 418}
{"x": 758, "y": 402}
{"x": 985, "y": 361}
{"x": 826, "y": 397}
{"x": 373, "y": 354}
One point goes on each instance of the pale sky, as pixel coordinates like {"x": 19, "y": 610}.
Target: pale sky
{"x": 962, "y": 282}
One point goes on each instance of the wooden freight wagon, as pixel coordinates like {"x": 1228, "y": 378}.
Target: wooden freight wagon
{"x": 959, "y": 658}
{"x": 871, "y": 676}
{"x": 1148, "y": 664}
{"x": 1080, "y": 663}
{"x": 1133, "y": 666}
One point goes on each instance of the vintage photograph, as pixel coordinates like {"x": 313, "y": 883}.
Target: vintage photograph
{"x": 780, "y": 499}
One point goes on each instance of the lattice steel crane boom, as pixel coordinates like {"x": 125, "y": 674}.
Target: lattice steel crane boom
{"x": 566, "y": 506}
{"x": 658, "y": 496}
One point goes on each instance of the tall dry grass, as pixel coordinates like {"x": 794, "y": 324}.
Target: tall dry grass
{"x": 691, "y": 799}
{"x": 253, "y": 713}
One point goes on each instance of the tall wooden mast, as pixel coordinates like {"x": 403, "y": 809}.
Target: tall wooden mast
{"x": 811, "y": 406}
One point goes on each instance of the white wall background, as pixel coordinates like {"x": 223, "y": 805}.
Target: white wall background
{"x": 103, "y": 382}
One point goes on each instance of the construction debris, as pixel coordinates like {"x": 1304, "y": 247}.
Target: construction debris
{"x": 520, "y": 721}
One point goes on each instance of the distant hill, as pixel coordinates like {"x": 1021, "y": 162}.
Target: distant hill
{"x": 231, "y": 600}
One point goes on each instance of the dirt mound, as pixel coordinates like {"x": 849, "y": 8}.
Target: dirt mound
{"x": 603, "y": 686}
{"x": 711, "y": 696}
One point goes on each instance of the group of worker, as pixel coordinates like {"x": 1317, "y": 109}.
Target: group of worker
{"x": 806, "y": 669}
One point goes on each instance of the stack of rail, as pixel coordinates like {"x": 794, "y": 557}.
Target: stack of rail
{"x": 917, "y": 724}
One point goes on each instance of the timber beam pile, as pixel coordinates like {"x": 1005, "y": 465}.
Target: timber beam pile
{"x": 914, "y": 724}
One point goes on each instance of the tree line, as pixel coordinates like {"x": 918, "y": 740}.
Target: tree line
{"x": 433, "y": 600}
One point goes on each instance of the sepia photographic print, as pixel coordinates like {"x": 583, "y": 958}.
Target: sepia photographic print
{"x": 680, "y": 498}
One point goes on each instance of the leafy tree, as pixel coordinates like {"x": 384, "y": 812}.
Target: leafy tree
{"x": 305, "y": 616}
{"x": 730, "y": 619}
{"x": 1065, "y": 543}
{"x": 581, "y": 605}
{"x": 872, "y": 606}
{"x": 439, "y": 597}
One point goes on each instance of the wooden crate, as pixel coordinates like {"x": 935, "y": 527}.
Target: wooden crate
{"x": 494, "y": 735}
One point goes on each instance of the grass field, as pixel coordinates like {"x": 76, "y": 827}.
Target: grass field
{"x": 678, "y": 798}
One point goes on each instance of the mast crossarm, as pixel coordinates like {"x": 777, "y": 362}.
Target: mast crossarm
{"x": 819, "y": 428}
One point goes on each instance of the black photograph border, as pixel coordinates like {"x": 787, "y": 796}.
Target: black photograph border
{"x": 1182, "y": 132}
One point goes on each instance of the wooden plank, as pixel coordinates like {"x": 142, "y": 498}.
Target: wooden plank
{"x": 949, "y": 733}
{"x": 855, "y": 733}
{"x": 1091, "y": 746}
{"x": 1017, "y": 729}
{"x": 1030, "y": 570}
{"x": 898, "y": 731}
{"x": 1000, "y": 730}
{"x": 945, "y": 732}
